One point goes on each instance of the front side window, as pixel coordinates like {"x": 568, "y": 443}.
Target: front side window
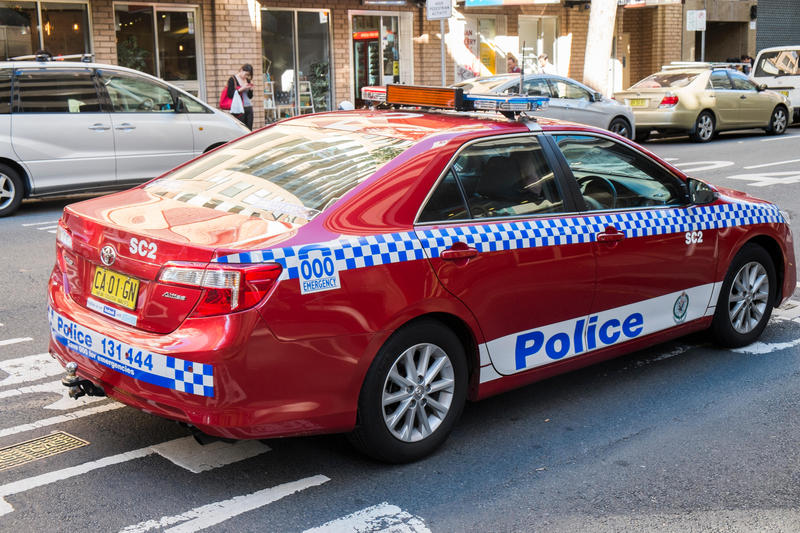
{"x": 537, "y": 87}
{"x": 612, "y": 176}
{"x": 565, "y": 89}
{"x": 741, "y": 83}
{"x": 499, "y": 178}
{"x": 49, "y": 91}
{"x": 133, "y": 94}
{"x": 778, "y": 63}
{"x": 287, "y": 173}
{"x": 190, "y": 105}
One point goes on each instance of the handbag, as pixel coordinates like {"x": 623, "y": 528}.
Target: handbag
{"x": 237, "y": 107}
{"x": 224, "y": 101}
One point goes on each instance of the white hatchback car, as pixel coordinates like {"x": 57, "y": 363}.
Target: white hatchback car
{"x": 70, "y": 127}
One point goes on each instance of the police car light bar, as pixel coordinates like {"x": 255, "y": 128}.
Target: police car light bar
{"x": 454, "y": 98}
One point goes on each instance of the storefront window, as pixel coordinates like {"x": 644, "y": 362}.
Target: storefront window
{"x": 64, "y": 28}
{"x": 159, "y": 41}
{"x": 376, "y": 52}
{"x": 538, "y": 35}
{"x": 297, "y": 59}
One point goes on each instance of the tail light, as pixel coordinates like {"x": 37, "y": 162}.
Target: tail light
{"x": 668, "y": 101}
{"x": 226, "y": 288}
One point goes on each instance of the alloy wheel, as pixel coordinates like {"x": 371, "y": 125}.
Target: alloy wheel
{"x": 705, "y": 127}
{"x": 7, "y": 191}
{"x": 749, "y": 297}
{"x": 418, "y": 392}
{"x": 779, "y": 121}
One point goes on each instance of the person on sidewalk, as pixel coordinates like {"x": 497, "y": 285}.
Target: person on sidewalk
{"x": 242, "y": 82}
{"x": 545, "y": 66}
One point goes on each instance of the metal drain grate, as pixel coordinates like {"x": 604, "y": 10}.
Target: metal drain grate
{"x": 34, "y": 449}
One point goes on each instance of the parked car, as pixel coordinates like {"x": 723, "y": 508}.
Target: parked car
{"x": 779, "y": 69}
{"x": 368, "y": 271}
{"x": 75, "y": 127}
{"x": 569, "y": 99}
{"x": 702, "y": 99}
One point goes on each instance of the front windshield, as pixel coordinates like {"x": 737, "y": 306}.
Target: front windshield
{"x": 482, "y": 85}
{"x": 778, "y": 63}
{"x": 666, "y": 79}
{"x": 288, "y": 173}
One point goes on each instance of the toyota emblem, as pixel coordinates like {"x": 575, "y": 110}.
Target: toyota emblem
{"x": 108, "y": 255}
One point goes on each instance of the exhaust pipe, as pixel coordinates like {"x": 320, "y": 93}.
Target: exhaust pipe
{"x": 77, "y": 386}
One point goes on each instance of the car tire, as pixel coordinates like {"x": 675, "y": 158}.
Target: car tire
{"x": 745, "y": 303}
{"x": 778, "y": 121}
{"x": 703, "y": 128}
{"x": 642, "y": 136}
{"x": 393, "y": 398}
{"x": 622, "y": 127}
{"x": 11, "y": 190}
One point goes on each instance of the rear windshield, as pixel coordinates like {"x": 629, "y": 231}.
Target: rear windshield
{"x": 483, "y": 85}
{"x": 287, "y": 173}
{"x": 666, "y": 79}
{"x": 778, "y": 63}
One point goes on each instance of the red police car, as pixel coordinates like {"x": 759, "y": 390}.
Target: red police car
{"x": 370, "y": 271}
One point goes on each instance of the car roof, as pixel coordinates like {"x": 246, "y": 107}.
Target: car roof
{"x": 416, "y": 125}
{"x": 56, "y": 64}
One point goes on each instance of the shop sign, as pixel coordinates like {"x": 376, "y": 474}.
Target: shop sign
{"x": 484, "y": 3}
{"x": 642, "y": 3}
{"x": 439, "y": 9}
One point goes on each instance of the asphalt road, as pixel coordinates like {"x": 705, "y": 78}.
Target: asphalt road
{"x": 680, "y": 437}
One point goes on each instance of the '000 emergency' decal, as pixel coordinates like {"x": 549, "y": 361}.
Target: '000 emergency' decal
{"x": 554, "y": 342}
{"x": 140, "y": 364}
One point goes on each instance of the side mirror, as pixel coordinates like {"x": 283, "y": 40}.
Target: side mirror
{"x": 700, "y": 192}
{"x": 761, "y": 87}
{"x": 597, "y": 97}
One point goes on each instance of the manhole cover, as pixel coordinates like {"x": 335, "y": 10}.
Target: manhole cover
{"x": 32, "y": 450}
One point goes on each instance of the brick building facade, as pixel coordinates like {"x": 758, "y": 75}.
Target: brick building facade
{"x": 313, "y": 54}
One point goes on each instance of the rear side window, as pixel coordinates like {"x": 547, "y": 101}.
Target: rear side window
{"x": 720, "y": 80}
{"x": 666, "y": 79}
{"x": 48, "y": 91}
{"x": 499, "y": 178}
{"x": 778, "y": 63}
{"x": 5, "y": 91}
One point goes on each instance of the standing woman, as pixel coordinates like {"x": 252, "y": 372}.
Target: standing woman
{"x": 242, "y": 82}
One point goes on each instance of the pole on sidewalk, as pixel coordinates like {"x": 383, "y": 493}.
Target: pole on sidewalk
{"x": 441, "y": 32}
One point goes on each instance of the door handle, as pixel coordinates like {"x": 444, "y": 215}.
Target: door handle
{"x": 125, "y": 127}
{"x": 743, "y": 97}
{"x": 99, "y": 127}
{"x": 610, "y": 235}
{"x": 452, "y": 254}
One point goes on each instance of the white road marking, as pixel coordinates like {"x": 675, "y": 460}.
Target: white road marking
{"x": 53, "y": 387}
{"x": 49, "y": 222}
{"x": 29, "y": 368}
{"x": 772, "y": 164}
{"x": 383, "y": 517}
{"x": 67, "y": 417}
{"x": 697, "y": 166}
{"x": 48, "y": 228}
{"x": 670, "y": 158}
{"x": 218, "y": 512}
{"x": 780, "y": 138}
{"x": 15, "y": 341}
{"x": 220, "y": 456}
{"x": 188, "y": 454}
{"x": 769, "y": 178}
{"x": 763, "y": 348}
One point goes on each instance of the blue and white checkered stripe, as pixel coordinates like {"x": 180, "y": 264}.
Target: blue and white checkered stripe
{"x": 359, "y": 252}
{"x": 138, "y": 363}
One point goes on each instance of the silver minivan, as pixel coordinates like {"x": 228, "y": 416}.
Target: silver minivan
{"x": 83, "y": 127}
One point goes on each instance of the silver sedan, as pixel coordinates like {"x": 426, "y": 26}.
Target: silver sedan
{"x": 569, "y": 99}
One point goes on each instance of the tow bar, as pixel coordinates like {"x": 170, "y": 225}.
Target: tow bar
{"x": 79, "y": 387}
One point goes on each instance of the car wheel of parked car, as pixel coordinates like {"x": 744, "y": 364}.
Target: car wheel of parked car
{"x": 11, "y": 190}
{"x": 703, "y": 128}
{"x": 778, "y": 121}
{"x": 413, "y": 394}
{"x": 746, "y": 298}
{"x": 620, "y": 126}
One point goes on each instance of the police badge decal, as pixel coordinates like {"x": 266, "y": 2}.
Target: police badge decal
{"x": 680, "y": 308}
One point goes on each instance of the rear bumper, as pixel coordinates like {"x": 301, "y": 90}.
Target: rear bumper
{"x": 229, "y": 376}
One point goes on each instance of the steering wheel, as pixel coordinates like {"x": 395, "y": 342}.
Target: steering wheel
{"x": 605, "y": 185}
{"x": 147, "y": 104}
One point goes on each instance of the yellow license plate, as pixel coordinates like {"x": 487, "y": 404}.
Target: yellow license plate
{"x": 784, "y": 93}
{"x": 637, "y": 102}
{"x": 115, "y": 287}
